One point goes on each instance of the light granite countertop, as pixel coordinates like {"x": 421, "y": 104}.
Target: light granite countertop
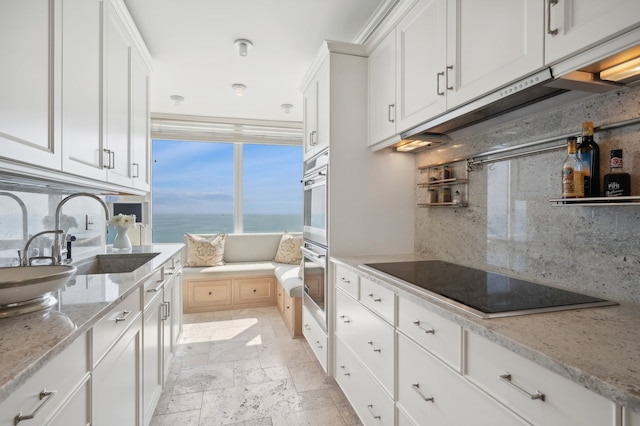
{"x": 598, "y": 348}
{"x": 29, "y": 341}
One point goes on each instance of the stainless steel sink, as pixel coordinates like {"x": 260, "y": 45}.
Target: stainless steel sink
{"x": 113, "y": 263}
{"x": 28, "y": 288}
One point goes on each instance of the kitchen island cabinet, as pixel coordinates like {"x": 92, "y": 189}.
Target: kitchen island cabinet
{"x": 583, "y": 361}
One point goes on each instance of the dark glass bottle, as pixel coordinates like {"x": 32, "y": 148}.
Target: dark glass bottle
{"x": 617, "y": 183}
{"x": 589, "y": 154}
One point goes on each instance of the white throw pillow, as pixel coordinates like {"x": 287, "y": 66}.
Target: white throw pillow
{"x": 289, "y": 249}
{"x": 205, "y": 251}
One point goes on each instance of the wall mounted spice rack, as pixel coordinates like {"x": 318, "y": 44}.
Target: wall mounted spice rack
{"x": 437, "y": 184}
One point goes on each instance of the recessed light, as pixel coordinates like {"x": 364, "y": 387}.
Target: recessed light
{"x": 177, "y": 99}
{"x": 243, "y": 46}
{"x": 239, "y": 89}
{"x": 286, "y": 108}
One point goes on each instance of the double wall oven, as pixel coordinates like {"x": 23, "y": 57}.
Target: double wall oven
{"x": 315, "y": 247}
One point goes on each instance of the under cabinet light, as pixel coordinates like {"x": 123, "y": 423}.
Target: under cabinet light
{"x": 623, "y": 71}
{"x": 421, "y": 141}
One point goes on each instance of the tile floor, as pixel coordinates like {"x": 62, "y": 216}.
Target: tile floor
{"x": 241, "y": 368}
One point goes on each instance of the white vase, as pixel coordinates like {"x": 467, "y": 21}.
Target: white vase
{"x": 121, "y": 241}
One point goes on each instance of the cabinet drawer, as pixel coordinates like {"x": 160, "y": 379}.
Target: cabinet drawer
{"x": 564, "y": 402}
{"x": 61, "y": 376}
{"x": 255, "y": 290}
{"x": 370, "y": 338}
{"x": 347, "y": 279}
{"x": 315, "y": 336}
{"x": 152, "y": 287}
{"x": 431, "y": 394}
{"x": 438, "y": 335}
{"x": 369, "y": 400}
{"x": 205, "y": 294}
{"x": 107, "y": 330}
{"x": 378, "y": 299}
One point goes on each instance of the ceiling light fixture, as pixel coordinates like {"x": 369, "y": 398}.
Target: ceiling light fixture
{"x": 239, "y": 89}
{"x": 286, "y": 108}
{"x": 243, "y": 46}
{"x": 177, "y": 99}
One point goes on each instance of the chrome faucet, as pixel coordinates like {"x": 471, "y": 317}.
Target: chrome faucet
{"x": 26, "y": 260}
{"x": 56, "y": 250}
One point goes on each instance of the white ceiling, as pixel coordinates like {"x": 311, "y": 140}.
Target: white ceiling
{"x": 194, "y": 56}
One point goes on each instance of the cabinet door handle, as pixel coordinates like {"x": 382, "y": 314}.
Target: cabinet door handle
{"x": 426, "y": 330}
{"x": 345, "y": 280}
{"x": 313, "y": 136}
{"x": 370, "y": 343}
{"x": 345, "y": 319}
{"x": 318, "y": 345}
{"x": 45, "y": 397}
{"x": 506, "y": 377}
{"x": 345, "y": 372}
{"x": 125, "y": 315}
{"x": 157, "y": 287}
{"x": 416, "y": 387}
{"x": 370, "y": 408}
{"x": 438, "y": 75}
{"x": 375, "y": 299}
{"x": 306, "y": 327}
{"x": 136, "y": 170}
{"x": 391, "y": 114}
{"x": 106, "y": 159}
{"x": 449, "y": 68}
{"x": 551, "y": 32}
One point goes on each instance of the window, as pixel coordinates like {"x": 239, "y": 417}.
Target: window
{"x": 210, "y": 187}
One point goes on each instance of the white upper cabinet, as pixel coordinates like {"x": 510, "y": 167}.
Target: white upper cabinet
{"x": 316, "y": 98}
{"x": 490, "y": 43}
{"x": 140, "y": 142}
{"x": 421, "y": 58}
{"x": 574, "y": 25}
{"x": 29, "y": 82}
{"x": 382, "y": 90}
{"x": 81, "y": 84}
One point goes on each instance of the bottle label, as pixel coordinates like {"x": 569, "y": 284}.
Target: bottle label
{"x": 572, "y": 183}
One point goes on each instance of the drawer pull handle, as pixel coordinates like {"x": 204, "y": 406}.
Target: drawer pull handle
{"x": 417, "y": 323}
{"x": 346, "y": 373}
{"x": 156, "y": 288}
{"x": 345, "y": 319}
{"x": 306, "y": 327}
{"x": 125, "y": 315}
{"x": 506, "y": 377}
{"x": 44, "y": 394}
{"x": 370, "y": 408}
{"x": 374, "y": 348}
{"x": 375, "y": 299}
{"x": 345, "y": 280}
{"x": 416, "y": 387}
{"x": 318, "y": 345}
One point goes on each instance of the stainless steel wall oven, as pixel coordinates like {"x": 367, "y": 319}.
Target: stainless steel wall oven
{"x": 315, "y": 281}
{"x": 315, "y": 198}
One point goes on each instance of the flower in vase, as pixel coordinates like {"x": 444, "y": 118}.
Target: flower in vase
{"x": 122, "y": 220}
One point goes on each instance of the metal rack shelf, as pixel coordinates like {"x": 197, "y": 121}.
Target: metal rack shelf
{"x": 596, "y": 201}
{"x": 443, "y": 182}
{"x": 452, "y": 204}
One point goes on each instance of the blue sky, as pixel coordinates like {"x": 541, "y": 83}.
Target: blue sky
{"x": 197, "y": 177}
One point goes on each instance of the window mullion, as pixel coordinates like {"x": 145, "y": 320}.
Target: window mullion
{"x": 237, "y": 189}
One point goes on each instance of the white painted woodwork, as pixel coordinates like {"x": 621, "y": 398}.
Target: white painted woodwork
{"x": 379, "y": 299}
{"x": 30, "y": 82}
{"x": 403, "y": 419}
{"x": 630, "y": 418}
{"x": 316, "y": 98}
{"x": 422, "y": 377}
{"x": 116, "y": 381}
{"x": 382, "y": 90}
{"x": 347, "y": 279}
{"x": 421, "y": 56}
{"x": 368, "y": 336}
{"x": 152, "y": 356}
{"x": 140, "y": 125}
{"x": 316, "y": 337}
{"x": 76, "y": 410}
{"x": 565, "y": 402}
{"x": 81, "y": 88}
{"x": 172, "y": 320}
{"x": 58, "y": 375}
{"x": 373, "y": 405}
{"x": 581, "y": 24}
{"x": 438, "y": 335}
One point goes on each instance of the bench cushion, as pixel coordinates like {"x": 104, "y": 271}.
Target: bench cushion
{"x": 288, "y": 277}
{"x": 240, "y": 269}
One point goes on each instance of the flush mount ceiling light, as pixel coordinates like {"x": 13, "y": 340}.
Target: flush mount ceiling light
{"x": 623, "y": 72}
{"x": 286, "y": 108}
{"x": 177, "y": 99}
{"x": 239, "y": 89}
{"x": 243, "y": 46}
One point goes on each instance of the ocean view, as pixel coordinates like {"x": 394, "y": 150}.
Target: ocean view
{"x": 170, "y": 228}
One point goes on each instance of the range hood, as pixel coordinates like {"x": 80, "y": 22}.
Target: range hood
{"x": 618, "y": 70}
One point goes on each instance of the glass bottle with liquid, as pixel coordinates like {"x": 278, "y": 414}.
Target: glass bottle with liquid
{"x": 616, "y": 183}
{"x": 589, "y": 154}
{"x": 572, "y": 172}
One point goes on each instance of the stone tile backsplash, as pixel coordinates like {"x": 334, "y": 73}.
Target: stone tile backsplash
{"x": 510, "y": 225}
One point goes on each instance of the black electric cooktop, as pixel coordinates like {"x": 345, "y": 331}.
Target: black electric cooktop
{"x": 486, "y": 294}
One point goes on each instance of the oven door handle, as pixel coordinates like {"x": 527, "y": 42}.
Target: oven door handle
{"x": 312, "y": 254}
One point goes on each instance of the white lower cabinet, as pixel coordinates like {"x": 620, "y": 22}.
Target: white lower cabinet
{"x": 316, "y": 337}
{"x": 537, "y": 394}
{"x": 373, "y": 405}
{"x": 630, "y": 418}
{"x": 433, "y": 394}
{"x": 117, "y": 381}
{"x": 152, "y": 356}
{"x": 55, "y": 395}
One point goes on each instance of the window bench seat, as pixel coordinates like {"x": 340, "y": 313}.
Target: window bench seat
{"x": 249, "y": 278}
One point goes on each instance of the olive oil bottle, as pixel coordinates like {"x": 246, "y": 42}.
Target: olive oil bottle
{"x": 572, "y": 172}
{"x": 589, "y": 154}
